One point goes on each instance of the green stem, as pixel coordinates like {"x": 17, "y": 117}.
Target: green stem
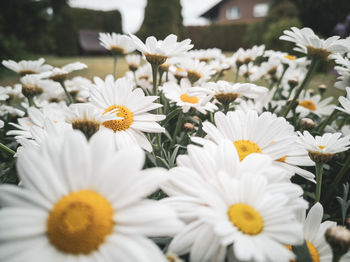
{"x": 31, "y": 101}
{"x": 306, "y": 80}
{"x": 69, "y": 97}
{"x": 154, "y": 75}
{"x": 115, "y": 57}
{"x": 7, "y": 150}
{"x": 285, "y": 67}
{"x": 338, "y": 178}
{"x": 328, "y": 120}
{"x": 319, "y": 173}
{"x": 226, "y": 107}
{"x": 160, "y": 78}
{"x": 177, "y": 128}
{"x": 342, "y": 123}
{"x": 236, "y": 76}
{"x": 336, "y": 257}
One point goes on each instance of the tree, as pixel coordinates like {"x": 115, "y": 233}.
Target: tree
{"x": 161, "y": 19}
{"x": 322, "y": 15}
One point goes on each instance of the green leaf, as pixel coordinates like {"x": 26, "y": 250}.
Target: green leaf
{"x": 161, "y": 162}
{"x": 171, "y": 115}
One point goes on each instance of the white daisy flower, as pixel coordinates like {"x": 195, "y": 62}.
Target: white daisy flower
{"x": 343, "y": 70}
{"x": 78, "y": 87}
{"x": 26, "y": 67}
{"x": 326, "y": 145}
{"x": 314, "y": 232}
{"x": 36, "y": 117}
{"x": 133, "y": 61}
{"x": 4, "y": 93}
{"x": 345, "y": 102}
{"x": 313, "y": 104}
{"x": 5, "y": 109}
{"x": 181, "y": 95}
{"x": 245, "y": 214}
{"x": 226, "y": 92}
{"x": 133, "y": 107}
{"x": 242, "y": 56}
{"x": 308, "y": 42}
{"x": 157, "y": 51}
{"x": 196, "y": 70}
{"x": 83, "y": 202}
{"x": 205, "y": 55}
{"x": 116, "y": 43}
{"x": 9, "y": 92}
{"x": 60, "y": 73}
{"x": 266, "y": 134}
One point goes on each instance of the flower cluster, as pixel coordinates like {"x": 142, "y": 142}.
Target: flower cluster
{"x": 177, "y": 160}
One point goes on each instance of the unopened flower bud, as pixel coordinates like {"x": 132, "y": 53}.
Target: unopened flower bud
{"x": 322, "y": 89}
{"x": 338, "y": 238}
{"x": 311, "y": 91}
{"x": 307, "y": 123}
{"x": 188, "y": 127}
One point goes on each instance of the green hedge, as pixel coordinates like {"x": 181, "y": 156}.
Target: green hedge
{"x": 228, "y": 37}
{"x": 110, "y": 21}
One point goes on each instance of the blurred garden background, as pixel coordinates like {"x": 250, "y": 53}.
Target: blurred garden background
{"x": 61, "y": 32}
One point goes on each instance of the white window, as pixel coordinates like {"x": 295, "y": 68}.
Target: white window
{"x": 233, "y": 13}
{"x": 261, "y": 10}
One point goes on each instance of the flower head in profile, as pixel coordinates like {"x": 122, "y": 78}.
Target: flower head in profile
{"x": 60, "y": 73}
{"x": 323, "y": 148}
{"x": 183, "y": 97}
{"x": 133, "y": 107}
{"x": 226, "y": 92}
{"x": 118, "y": 44}
{"x": 133, "y": 62}
{"x": 345, "y": 102}
{"x": 157, "y": 51}
{"x": 26, "y": 67}
{"x": 309, "y": 43}
{"x": 343, "y": 69}
{"x": 83, "y": 201}
{"x": 197, "y": 71}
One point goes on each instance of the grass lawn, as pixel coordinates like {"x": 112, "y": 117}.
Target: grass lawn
{"x": 103, "y": 65}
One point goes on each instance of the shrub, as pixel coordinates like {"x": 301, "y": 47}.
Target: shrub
{"x": 227, "y": 37}
{"x": 275, "y": 30}
{"x": 161, "y": 19}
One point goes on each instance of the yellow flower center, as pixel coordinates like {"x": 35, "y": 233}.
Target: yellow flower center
{"x": 321, "y": 147}
{"x": 189, "y": 99}
{"x": 120, "y": 124}
{"x": 245, "y": 218}
{"x": 308, "y": 104}
{"x": 290, "y": 57}
{"x": 312, "y": 250}
{"x": 282, "y": 159}
{"x": 245, "y": 148}
{"x": 79, "y": 222}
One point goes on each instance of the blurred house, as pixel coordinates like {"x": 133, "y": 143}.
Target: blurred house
{"x": 237, "y": 11}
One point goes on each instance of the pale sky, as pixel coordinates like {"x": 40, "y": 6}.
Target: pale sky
{"x": 133, "y": 10}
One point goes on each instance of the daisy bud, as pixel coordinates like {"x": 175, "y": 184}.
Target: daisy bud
{"x": 311, "y": 91}
{"x": 322, "y": 89}
{"x": 188, "y": 127}
{"x": 307, "y": 123}
{"x": 133, "y": 67}
{"x": 338, "y": 238}
{"x": 196, "y": 118}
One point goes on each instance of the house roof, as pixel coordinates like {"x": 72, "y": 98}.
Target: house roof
{"x": 213, "y": 11}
